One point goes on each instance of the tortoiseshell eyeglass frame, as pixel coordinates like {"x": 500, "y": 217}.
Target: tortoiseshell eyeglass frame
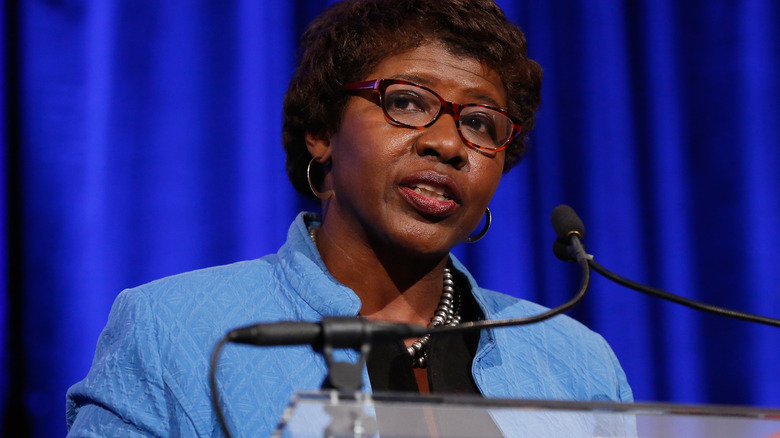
{"x": 380, "y": 85}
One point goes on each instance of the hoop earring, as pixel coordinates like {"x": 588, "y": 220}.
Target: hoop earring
{"x": 321, "y": 195}
{"x": 488, "y": 220}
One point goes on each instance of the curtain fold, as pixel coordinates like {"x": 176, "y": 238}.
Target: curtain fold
{"x": 5, "y": 154}
{"x": 150, "y": 144}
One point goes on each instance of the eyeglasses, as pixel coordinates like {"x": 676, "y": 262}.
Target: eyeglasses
{"x": 415, "y": 106}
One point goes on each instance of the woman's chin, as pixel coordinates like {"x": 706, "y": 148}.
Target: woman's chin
{"x": 424, "y": 240}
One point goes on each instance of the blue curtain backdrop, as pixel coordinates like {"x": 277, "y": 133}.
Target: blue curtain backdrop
{"x": 142, "y": 139}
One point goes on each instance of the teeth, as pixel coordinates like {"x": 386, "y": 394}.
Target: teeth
{"x": 431, "y": 192}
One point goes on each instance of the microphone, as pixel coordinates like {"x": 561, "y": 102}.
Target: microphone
{"x": 337, "y": 332}
{"x": 566, "y": 223}
{"x": 570, "y": 229}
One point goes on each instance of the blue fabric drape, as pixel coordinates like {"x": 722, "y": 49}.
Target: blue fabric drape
{"x": 4, "y": 274}
{"x": 149, "y": 144}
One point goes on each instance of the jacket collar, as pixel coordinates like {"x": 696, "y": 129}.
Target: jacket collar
{"x": 307, "y": 275}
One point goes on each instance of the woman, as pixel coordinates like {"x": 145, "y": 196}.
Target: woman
{"x": 402, "y": 117}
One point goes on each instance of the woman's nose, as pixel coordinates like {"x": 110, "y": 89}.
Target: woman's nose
{"x": 443, "y": 141}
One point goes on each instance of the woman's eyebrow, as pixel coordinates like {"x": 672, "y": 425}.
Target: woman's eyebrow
{"x": 413, "y": 78}
{"x": 422, "y": 80}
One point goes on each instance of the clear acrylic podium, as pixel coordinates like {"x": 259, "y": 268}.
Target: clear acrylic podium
{"x": 332, "y": 414}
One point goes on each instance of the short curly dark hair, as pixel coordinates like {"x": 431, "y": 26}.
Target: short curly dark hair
{"x": 349, "y": 39}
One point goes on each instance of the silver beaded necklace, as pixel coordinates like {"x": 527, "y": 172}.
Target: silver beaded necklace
{"x": 448, "y": 314}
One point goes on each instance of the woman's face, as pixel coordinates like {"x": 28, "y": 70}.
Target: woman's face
{"x": 420, "y": 190}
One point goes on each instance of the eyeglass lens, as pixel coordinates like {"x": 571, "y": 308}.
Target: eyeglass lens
{"x": 414, "y": 106}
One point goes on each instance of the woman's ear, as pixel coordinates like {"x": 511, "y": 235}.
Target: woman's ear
{"x": 319, "y": 146}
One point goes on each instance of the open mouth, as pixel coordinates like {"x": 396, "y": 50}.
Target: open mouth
{"x": 431, "y": 192}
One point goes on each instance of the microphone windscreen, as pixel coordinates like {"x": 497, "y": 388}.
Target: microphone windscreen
{"x": 565, "y": 222}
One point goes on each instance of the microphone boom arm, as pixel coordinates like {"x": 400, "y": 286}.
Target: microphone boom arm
{"x": 696, "y": 305}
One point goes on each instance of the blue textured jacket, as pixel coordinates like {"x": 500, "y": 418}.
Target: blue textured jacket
{"x": 149, "y": 374}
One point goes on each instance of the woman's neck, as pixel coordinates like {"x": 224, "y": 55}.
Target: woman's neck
{"x": 392, "y": 285}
